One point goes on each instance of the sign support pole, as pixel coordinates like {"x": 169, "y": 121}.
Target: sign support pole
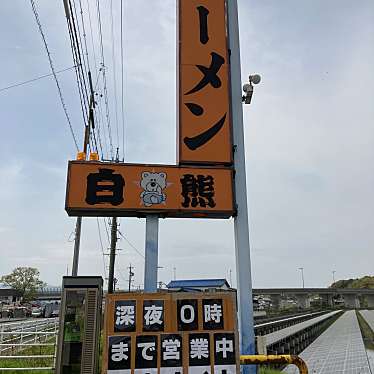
{"x": 77, "y": 242}
{"x": 241, "y": 225}
{"x": 151, "y": 253}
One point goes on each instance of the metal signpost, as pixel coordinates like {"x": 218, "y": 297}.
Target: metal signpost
{"x": 171, "y": 333}
{"x": 151, "y": 253}
{"x": 241, "y": 225}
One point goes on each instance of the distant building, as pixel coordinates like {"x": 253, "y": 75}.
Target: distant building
{"x": 199, "y": 285}
{"x": 9, "y": 295}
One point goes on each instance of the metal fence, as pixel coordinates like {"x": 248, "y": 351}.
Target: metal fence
{"x": 18, "y": 337}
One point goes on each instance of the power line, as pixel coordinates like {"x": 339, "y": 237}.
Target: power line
{"x": 84, "y": 35}
{"x": 86, "y": 63}
{"x": 98, "y": 122}
{"x": 95, "y": 132}
{"x": 114, "y": 71}
{"x": 77, "y": 60}
{"x": 98, "y": 115}
{"x": 101, "y": 122}
{"x": 33, "y": 6}
{"x": 78, "y": 44}
{"x": 34, "y": 79}
{"x": 101, "y": 243}
{"x": 122, "y": 86}
{"x": 131, "y": 245}
{"x": 107, "y": 230}
{"x": 104, "y": 78}
{"x": 92, "y": 40}
{"x": 80, "y": 53}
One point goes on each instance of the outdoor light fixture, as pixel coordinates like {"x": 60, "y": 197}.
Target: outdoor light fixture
{"x": 248, "y": 88}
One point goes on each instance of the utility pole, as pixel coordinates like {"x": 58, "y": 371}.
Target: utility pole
{"x": 112, "y": 255}
{"x": 333, "y": 276}
{"x": 78, "y": 225}
{"x": 131, "y": 274}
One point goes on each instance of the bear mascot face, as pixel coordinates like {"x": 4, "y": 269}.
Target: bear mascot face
{"x": 153, "y": 185}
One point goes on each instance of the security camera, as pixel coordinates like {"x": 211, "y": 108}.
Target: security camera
{"x": 255, "y": 79}
{"x": 248, "y": 88}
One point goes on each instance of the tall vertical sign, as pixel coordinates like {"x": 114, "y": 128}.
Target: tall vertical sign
{"x": 210, "y": 178}
{"x": 204, "y": 131}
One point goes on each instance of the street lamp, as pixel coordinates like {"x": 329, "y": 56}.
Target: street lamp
{"x": 302, "y": 275}
{"x": 333, "y": 276}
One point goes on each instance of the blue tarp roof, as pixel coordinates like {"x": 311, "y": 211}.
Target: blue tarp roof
{"x": 191, "y": 283}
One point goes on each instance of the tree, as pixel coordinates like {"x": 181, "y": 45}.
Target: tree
{"x": 25, "y": 280}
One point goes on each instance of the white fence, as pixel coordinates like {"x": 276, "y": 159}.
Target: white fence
{"x": 16, "y": 337}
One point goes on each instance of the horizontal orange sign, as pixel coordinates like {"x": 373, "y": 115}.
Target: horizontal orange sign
{"x": 170, "y": 332}
{"x": 133, "y": 190}
{"x": 204, "y": 129}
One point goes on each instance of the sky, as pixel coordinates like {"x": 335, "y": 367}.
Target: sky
{"x": 309, "y": 136}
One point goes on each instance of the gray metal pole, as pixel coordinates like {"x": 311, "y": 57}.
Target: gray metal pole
{"x": 77, "y": 241}
{"x": 151, "y": 253}
{"x": 241, "y": 228}
{"x": 112, "y": 256}
{"x": 302, "y": 276}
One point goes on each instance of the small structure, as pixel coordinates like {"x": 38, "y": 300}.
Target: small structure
{"x": 199, "y": 285}
{"x": 9, "y": 295}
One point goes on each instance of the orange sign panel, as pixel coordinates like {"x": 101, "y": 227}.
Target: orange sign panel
{"x": 169, "y": 333}
{"x": 204, "y": 129}
{"x": 132, "y": 190}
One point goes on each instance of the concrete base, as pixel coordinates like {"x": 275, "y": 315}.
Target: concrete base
{"x": 370, "y": 301}
{"x": 328, "y": 301}
{"x": 351, "y": 302}
{"x": 303, "y": 301}
{"x": 276, "y": 301}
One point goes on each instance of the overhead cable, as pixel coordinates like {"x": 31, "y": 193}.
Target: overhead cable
{"x": 76, "y": 50}
{"x": 104, "y": 79}
{"x": 54, "y": 72}
{"x": 101, "y": 243}
{"x": 114, "y": 71}
{"x": 131, "y": 245}
{"x": 77, "y": 60}
{"x": 34, "y": 79}
{"x": 122, "y": 86}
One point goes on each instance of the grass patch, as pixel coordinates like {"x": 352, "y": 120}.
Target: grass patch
{"x": 366, "y": 332}
{"x": 268, "y": 371}
{"x": 29, "y": 362}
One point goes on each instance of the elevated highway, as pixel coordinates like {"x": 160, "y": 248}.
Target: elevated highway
{"x": 351, "y": 295}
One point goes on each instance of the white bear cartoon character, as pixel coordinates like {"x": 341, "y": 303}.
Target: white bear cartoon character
{"x": 153, "y": 185}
